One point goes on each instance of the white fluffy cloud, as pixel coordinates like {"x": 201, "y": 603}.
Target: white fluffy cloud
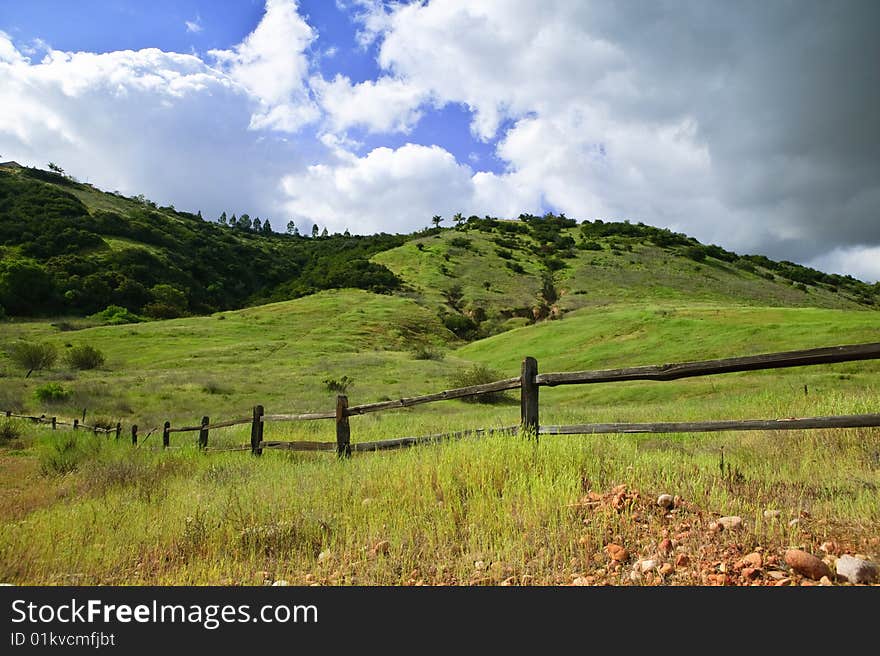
{"x": 749, "y": 125}
{"x": 384, "y": 191}
{"x": 384, "y": 106}
{"x": 272, "y": 65}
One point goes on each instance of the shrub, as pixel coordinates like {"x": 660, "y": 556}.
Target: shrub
{"x": 62, "y": 454}
{"x": 213, "y": 387}
{"x": 64, "y": 326}
{"x": 427, "y": 352}
{"x": 341, "y": 385}
{"x": 9, "y": 431}
{"x": 114, "y": 315}
{"x": 33, "y": 356}
{"x": 51, "y": 393}
{"x": 696, "y": 253}
{"x": 460, "y": 325}
{"x": 479, "y": 374}
{"x": 84, "y": 357}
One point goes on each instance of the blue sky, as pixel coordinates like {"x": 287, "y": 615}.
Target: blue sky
{"x": 702, "y": 117}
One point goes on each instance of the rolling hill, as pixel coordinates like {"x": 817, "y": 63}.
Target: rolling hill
{"x": 71, "y": 249}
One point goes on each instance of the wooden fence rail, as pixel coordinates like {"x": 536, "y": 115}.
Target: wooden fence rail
{"x": 529, "y": 382}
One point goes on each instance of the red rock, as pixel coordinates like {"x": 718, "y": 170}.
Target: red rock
{"x": 381, "y": 548}
{"x": 666, "y": 569}
{"x": 830, "y": 547}
{"x": 754, "y": 560}
{"x": 750, "y": 572}
{"x": 682, "y": 560}
{"x": 665, "y": 547}
{"x": 806, "y": 564}
{"x": 616, "y": 552}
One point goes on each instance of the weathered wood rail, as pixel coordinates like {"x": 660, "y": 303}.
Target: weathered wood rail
{"x": 76, "y": 424}
{"x": 529, "y": 382}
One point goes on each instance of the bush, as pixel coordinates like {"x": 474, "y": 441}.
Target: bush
{"x": 33, "y": 356}
{"x": 479, "y": 374}
{"x": 51, "y": 393}
{"x": 427, "y": 352}
{"x": 340, "y": 386}
{"x": 460, "y": 325}
{"x": 9, "y": 431}
{"x": 696, "y": 253}
{"x": 114, "y": 315}
{"x": 84, "y": 357}
{"x": 62, "y": 454}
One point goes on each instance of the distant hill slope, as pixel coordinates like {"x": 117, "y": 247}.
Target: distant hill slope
{"x": 71, "y": 249}
{"x": 487, "y": 276}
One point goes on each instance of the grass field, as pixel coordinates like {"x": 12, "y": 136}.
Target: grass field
{"x": 83, "y": 509}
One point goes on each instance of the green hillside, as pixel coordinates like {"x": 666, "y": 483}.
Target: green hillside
{"x": 71, "y": 249}
{"x": 487, "y": 276}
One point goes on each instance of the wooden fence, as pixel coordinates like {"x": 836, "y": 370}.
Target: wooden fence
{"x": 75, "y": 423}
{"x": 529, "y": 382}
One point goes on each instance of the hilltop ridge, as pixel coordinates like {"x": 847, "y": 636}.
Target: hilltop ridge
{"x": 69, "y": 248}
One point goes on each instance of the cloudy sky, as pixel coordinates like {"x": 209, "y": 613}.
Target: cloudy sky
{"x": 753, "y": 125}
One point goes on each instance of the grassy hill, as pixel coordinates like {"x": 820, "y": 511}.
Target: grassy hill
{"x": 78, "y": 509}
{"x": 82, "y": 509}
{"x": 70, "y": 248}
{"x": 487, "y": 276}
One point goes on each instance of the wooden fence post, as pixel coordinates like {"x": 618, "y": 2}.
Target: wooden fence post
{"x": 257, "y": 431}
{"x": 134, "y": 434}
{"x": 118, "y": 429}
{"x": 529, "y": 397}
{"x": 343, "y": 430}
{"x": 54, "y": 422}
{"x": 76, "y": 424}
{"x": 8, "y": 413}
{"x": 203, "y": 433}
{"x": 166, "y": 435}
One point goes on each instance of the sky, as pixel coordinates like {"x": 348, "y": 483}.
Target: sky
{"x": 754, "y": 125}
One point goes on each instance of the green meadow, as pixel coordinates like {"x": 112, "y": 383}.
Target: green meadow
{"x": 80, "y": 508}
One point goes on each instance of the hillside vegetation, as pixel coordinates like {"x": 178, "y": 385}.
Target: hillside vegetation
{"x": 68, "y": 248}
{"x": 290, "y": 322}
{"x": 71, "y": 249}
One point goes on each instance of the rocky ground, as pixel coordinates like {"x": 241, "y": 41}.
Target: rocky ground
{"x": 665, "y": 541}
{"x": 677, "y": 543}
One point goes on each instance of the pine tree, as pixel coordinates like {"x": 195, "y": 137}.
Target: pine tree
{"x": 258, "y": 225}
{"x": 315, "y": 231}
{"x": 223, "y": 218}
{"x": 267, "y": 227}
{"x": 324, "y": 232}
{"x": 291, "y": 228}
